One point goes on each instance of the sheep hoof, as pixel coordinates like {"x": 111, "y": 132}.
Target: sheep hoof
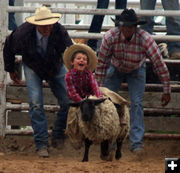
{"x": 118, "y": 155}
{"x": 109, "y": 157}
{"x": 103, "y": 157}
{"x": 84, "y": 160}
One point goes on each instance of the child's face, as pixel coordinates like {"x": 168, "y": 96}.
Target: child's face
{"x": 80, "y": 62}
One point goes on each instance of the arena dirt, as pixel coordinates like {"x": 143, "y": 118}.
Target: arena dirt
{"x": 17, "y": 155}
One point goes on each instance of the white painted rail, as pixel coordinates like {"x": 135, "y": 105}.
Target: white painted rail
{"x": 21, "y": 9}
{"x": 3, "y": 33}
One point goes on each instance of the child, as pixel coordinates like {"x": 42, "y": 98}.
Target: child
{"x": 81, "y": 61}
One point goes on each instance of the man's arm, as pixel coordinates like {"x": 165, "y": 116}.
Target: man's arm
{"x": 9, "y": 55}
{"x": 104, "y": 59}
{"x": 65, "y": 38}
{"x": 160, "y": 68}
{"x": 13, "y": 46}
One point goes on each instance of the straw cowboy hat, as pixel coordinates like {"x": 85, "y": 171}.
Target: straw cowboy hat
{"x": 43, "y": 16}
{"x": 92, "y": 63}
{"x": 128, "y": 18}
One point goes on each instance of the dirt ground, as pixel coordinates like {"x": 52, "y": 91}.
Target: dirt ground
{"x": 17, "y": 155}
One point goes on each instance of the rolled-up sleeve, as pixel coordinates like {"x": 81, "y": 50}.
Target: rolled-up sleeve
{"x": 104, "y": 59}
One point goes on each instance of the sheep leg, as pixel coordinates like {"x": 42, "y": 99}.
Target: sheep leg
{"x": 105, "y": 148}
{"x": 88, "y": 143}
{"x": 118, "y": 150}
{"x": 105, "y": 151}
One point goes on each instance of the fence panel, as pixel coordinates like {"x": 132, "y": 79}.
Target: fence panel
{"x": 14, "y": 99}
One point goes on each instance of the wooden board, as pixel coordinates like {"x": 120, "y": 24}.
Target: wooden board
{"x": 151, "y": 99}
{"x": 171, "y": 124}
{"x": 20, "y": 93}
{"x": 16, "y": 118}
{"x": 160, "y": 123}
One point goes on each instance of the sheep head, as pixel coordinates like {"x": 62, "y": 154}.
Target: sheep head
{"x": 87, "y": 107}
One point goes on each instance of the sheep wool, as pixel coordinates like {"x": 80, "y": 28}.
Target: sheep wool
{"x": 123, "y": 111}
{"x": 73, "y": 131}
{"x": 105, "y": 124}
{"x": 125, "y": 124}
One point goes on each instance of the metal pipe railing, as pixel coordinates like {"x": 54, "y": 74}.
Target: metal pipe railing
{"x": 87, "y": 35}
{"x": 86, "y": 2}
{"x": 86, "y": 11}
{"x": 104, "y": 28}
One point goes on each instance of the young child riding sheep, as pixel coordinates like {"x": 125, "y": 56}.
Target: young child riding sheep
{"x": 93, "y": 121}
{"x": 81, "y": 61}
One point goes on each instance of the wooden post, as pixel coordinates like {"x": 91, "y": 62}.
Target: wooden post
{"x": 3, "y": 34}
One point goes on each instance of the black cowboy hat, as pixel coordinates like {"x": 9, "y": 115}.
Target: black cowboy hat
{"x": 128, "y": 18}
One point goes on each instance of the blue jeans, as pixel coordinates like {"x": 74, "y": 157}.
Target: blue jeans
{"x": 136, "y": 85}
{"x": 97, "y": 20}
{"x": 172, "y": 23}
{"x": 38, "y": 118}
{"x": 12, "y": 22}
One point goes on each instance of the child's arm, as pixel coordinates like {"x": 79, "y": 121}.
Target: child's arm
{"x": 71, "y": 91}
{"x": 95, "y": 86}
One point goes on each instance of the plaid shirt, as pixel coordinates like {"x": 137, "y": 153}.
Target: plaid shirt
{"x": 128, "y": 56}
{"x": 80, "y": 85}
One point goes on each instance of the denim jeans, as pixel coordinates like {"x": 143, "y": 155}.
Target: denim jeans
{"x": 97, "y": 20}
{"x": 38, "y": 118}
{"x": 172, "y": 23}
{"x": 136, "y": 85}
{"x": 12, "y": 21}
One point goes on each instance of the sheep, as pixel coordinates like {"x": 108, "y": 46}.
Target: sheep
{"x": 97, "y": 122}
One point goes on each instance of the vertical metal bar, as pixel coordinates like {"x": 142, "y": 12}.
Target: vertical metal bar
{"x": 3, "y": 34}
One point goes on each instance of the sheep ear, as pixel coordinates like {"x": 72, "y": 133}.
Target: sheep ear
{"x": 96, "y": 102}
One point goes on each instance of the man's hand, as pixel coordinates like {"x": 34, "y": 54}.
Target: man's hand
{"x": 165, "y": 99}
{"x": 14, "y": 76}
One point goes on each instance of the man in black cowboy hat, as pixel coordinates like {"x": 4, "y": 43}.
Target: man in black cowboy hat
{"x": 41, "y": 41}
{"x": 122, "y": 56}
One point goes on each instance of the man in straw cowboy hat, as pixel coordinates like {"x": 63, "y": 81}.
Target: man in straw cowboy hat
{"x": 122, "y": 56}
{"x": 41, "y": 41}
